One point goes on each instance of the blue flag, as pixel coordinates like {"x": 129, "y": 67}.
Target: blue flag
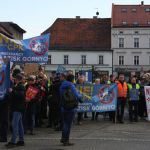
{"x": 60, "y": 69}
{"x": 29, "y": 50}
{"x": 4, "y": 78}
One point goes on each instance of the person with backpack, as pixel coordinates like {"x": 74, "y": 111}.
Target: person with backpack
{"x": 69, "y": 102}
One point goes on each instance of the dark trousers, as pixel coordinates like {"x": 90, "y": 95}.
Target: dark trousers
{"x": 120, "y": 108}
{"x": 29, "y": 122}
{"x": 3, "y": 121}
{"x": 67, "y": 119}
{"x": 112, "y": 116}
{"x": 44, "y": 107}
{"x": 80, "y": 117}
{"x": 142, "y": 111}
{"x": 133, "y": 110}
{"x": 38, "y": 116}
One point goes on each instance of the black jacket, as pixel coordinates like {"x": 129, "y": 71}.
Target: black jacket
{"x": 18, "y": 98}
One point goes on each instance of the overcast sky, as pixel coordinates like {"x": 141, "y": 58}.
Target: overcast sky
{"x": 35, "y": 16}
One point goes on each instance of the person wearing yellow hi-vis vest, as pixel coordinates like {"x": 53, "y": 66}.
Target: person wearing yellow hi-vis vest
{"x": 133, "y": 93}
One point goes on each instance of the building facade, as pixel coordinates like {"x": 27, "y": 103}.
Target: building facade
{"x": 12, "y": 30}
{"x": 81, "y": 44}
{"x": 130, "y": 38}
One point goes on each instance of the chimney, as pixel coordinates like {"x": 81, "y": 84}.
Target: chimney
{"x": 142, "y": 2}
{"x": 77, "y": 17}
{"x": 94, "y": 17}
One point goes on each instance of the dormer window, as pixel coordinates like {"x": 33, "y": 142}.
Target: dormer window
{"x": 124, "y": 10}
{"x": 133, "y": 9}
{"x": 147, "y": 9}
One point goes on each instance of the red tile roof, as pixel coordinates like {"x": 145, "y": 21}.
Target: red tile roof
{"x": 131, "y": 15}
{"x": 92, "y": 34}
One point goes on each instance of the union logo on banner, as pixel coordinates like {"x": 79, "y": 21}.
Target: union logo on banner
{"x": 39, "y": 45}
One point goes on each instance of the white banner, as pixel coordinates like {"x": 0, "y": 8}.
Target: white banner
{"x": 147, "y": 97}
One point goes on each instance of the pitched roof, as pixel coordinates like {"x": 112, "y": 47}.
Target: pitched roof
{"x": 77, "y": 34}
{"x": 14, "y": 25}
{"x": 131, "y": 15}
{"x": 4, "y": 31}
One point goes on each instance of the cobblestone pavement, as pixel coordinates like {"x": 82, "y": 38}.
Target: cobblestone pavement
{"x": 93, "y": 135}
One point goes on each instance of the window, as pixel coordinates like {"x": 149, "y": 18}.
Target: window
{"x": 136, "y": 32}
{"x": 121, "y": 42}
{"x": 135, "y": 23}
{"x": 121, "y": 60}
{"x": 136, "y": 42}
{"x": 123, "y": 9}
{"x": 133, "y": 9}
{"x": 66, "y": 59}
{"x": 148, "y": 22}
{"x": 147, "y": 9}
{"x": 49, "y": 59}
{"x": 101, "y": 59}
{"x": 124, "y": 23}
{"x": 83, "y": 59}
{"x": 120, "y": 32}
{"x": 136, "y": 60}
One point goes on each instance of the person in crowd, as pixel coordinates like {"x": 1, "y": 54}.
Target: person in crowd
{"x": 121, "y": 98}
{"x": 80, "y": 80}
{"x": 44, "y": 85}
{"x": 54, "y": 103}
{"x": 142, "y": 103}
{"x": 17, "y": 109}
{"x": 133, "y": 90}
{"x": 31, "y": 100}
{"x": 38, "y": 114}
{"x": 112, "y": 114}
{"x": 95, "y": 114}
{"x": 104, "y": 80}
{"x": 67, "y": 114}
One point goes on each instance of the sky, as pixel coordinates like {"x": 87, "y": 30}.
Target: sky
{"x": 35, "y": 16}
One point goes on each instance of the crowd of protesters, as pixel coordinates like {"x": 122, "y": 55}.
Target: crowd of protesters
{"x": 22, "y": 111}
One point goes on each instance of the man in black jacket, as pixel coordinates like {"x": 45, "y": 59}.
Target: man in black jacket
{"x": 17, "y": 108}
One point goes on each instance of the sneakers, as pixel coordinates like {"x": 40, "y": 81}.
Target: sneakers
{"x": 68, "y": 144}
{"x": 10, "y": 145}
{"x": 20, "y": 143}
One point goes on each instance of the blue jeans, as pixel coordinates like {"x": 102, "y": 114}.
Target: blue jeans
{"x": 67, "y": 118}
{"x": 17, "y": 127}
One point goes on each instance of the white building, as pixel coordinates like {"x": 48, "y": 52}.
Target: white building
{"x": 81, "y": 44}
{"x": 130, "y": 38}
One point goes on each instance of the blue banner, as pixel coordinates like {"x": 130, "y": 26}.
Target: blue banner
{"x": 27, "y": 51}
{"x": 4, "y": 78}
{"x": 98, "y": 98}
